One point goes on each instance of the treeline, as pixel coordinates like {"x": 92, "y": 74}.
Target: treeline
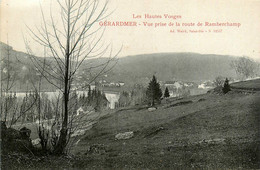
{"x": 38, "y": 106}
{"x": 135, "y": 96}
{"x": 95, "y": 99}
{"x": 150, "y": 95}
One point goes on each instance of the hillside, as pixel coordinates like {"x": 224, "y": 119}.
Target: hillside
{"x": 210, "y": 131}
{"x": 247, "y": 85}
{"x": 139, "y": 69}
{"x": 205, "y": 131}
{"x": 169, "y": 66}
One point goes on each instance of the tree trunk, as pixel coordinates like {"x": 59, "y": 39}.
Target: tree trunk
{"x": 62, "y": 142}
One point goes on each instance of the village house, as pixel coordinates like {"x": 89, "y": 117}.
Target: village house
{"x": 173, "y": 84}
{"x": 121, "y": 83}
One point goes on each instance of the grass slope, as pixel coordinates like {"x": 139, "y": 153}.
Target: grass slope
{"x": 203, "y": 132}
{"x": 247, "y": 85}
{"x": 212, "y": 131}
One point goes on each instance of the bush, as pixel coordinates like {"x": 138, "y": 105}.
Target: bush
{"x": 219, "y": 81}
{"x": 14, "y": 140}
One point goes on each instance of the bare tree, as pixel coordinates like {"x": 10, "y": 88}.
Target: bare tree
{"x": 8, "y": 76}
{"x": 12, "y": 108}
{"x": 245, "y": 67}
{"x": 70, "y": 43}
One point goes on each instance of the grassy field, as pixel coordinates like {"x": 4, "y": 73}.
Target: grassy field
{"x": 248, "y": 85}
{"x": 207, "y": 131}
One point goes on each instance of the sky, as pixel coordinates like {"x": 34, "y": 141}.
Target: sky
{"x": 230, "y": 40}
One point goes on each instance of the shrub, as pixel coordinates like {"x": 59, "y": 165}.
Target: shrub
{"x": 219, "y": 81}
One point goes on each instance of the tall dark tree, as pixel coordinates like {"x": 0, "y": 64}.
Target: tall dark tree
{"x": 226, "y": 87}
{"x": 166, "y": 93}
{"x": 89, "y": 94}
{"x": 154, "y": 92}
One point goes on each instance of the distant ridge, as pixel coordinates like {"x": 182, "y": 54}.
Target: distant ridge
{"x": 166, "y": 66}
{"x": 172, "y": 66}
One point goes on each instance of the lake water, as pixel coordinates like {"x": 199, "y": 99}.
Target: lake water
{"x": 112, "y": 97}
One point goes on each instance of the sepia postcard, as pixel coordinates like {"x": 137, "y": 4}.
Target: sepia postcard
{"x": 140, "y": 84}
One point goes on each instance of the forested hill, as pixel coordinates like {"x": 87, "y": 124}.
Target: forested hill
{"x": 180, "y": 66}
{"x": 139, "y": 68}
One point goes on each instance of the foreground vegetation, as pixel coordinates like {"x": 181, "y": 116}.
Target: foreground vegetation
{"x": 206, "y": 131}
